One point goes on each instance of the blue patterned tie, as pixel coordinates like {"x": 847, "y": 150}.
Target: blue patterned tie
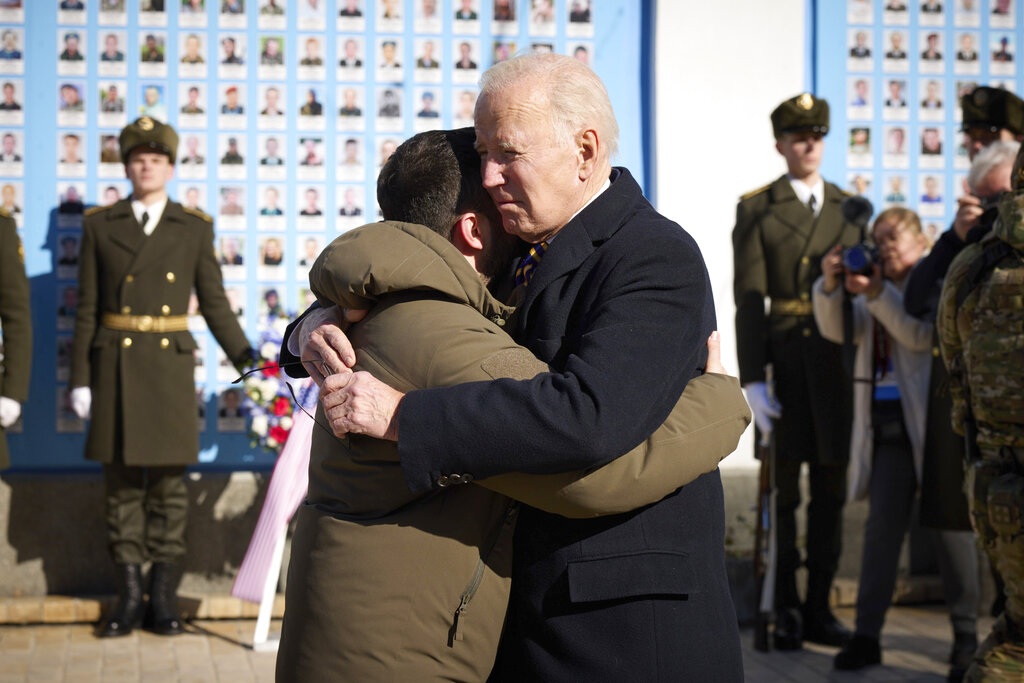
{"x": 527, "y": 267}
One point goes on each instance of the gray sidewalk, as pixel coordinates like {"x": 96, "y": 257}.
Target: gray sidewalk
{"x": 915, "y": 642}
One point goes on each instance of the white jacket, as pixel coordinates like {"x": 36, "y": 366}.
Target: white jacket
{"x": 912, "y": 366}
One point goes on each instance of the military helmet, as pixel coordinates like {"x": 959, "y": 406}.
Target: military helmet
{"x": 992, "y": 109}
{"x": 150, "y": 133}
{"x": 800, "y": 113}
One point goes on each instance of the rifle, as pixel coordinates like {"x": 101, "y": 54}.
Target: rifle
{"x": 765, "y": 542}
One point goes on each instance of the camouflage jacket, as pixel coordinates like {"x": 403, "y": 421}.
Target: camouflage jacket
{"x": 982, "y": 339}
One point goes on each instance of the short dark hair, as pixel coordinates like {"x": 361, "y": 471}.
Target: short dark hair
{"x": 432, "y": 178}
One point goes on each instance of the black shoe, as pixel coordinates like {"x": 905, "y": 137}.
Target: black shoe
{"x": 860, "y": 652}
{"x": 964, "y": 646}
{"x": 788, "y": 633}
{"x": 822, "y": 627}
{"x": 162, "y": 616}
{"x": 125, "y": 614}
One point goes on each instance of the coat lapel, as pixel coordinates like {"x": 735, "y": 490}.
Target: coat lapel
{"x": 166, "y": 237}
{"x": 821, "y": 241}
{"x": 789, "y": 210}
{"x": 575, "y": 242}
{"x": 124, "y": 229}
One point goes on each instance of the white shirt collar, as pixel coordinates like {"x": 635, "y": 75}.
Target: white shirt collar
{"x": 804, "y": 192}
{"x": 155, "y": 211}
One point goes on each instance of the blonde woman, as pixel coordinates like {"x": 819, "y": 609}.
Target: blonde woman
{"x": 891, "y": 373}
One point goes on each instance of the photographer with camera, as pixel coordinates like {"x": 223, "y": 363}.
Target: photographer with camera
{"x": 891, "y": 373}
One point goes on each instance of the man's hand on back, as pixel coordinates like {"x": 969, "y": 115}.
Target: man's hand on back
{"x": 358, "y": 403}
{"x": 325, "y": 349}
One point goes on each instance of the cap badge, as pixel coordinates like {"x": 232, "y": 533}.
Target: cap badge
{"x": 146, "y": 123}
{"x": 805, "y": 101}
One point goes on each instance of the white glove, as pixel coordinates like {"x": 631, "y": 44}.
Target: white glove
{"x": 81, "y": 401}
{"x": 763, "y": 405}
{"x": 10, "y": 411}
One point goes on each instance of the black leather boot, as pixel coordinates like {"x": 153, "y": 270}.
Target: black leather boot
{"x": 126, "y": 612}
{"x": 820, "y": 625}
{"x": 162, "y": 616}
{"x": 788, "y": 634}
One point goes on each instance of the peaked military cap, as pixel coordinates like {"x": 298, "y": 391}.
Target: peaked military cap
{"x": 803, "y": 112}
{"x": 992, "y": 109}
{"x": 150, "y": 133}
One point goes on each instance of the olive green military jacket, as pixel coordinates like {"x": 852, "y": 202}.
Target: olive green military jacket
{"x": 777, "y": 249}
{"x": 15, "y": 322}
{"x": 143, "y": 391}
{"x": 981, "y": 337}
{"x": 377, "y": 572}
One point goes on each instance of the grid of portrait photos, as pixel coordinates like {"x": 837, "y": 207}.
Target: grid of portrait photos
{"x": 895, "y": 89}
{"x": 285, "y": 110}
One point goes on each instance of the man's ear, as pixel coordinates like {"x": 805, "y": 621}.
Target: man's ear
{"x": 778, "y": 146}
{"x": 466, "y": 234}
{"x": 587, "y": 152}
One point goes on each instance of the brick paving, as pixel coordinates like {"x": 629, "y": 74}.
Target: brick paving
{"x": 915, "y": 642}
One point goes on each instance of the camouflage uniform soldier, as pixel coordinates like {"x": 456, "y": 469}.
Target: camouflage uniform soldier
{"x": 981, "y": 316}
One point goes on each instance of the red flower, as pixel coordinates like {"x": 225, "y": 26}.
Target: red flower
{"x": 281, "y": 406}
{"x": 279, "y": 434}
{"x": 272, "y": 371}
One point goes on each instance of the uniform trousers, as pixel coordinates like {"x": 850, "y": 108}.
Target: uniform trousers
{"x": 892, "y": 497}
{"x": 147, "y": 512}
{"x": 824, "y": 528}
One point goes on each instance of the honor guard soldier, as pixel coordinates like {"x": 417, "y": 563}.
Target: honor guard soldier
{"x": 16, "y": 326}
{"x": 132, "y": 363}
{"x": 782, "y": 231}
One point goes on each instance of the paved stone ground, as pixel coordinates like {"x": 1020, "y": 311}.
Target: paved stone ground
{"x": 915, "y": 643}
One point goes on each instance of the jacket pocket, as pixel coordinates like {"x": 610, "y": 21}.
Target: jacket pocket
{"x": 631, "y": 576}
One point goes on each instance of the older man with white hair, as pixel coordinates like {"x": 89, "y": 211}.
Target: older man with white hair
{"x": 616, "y": 298}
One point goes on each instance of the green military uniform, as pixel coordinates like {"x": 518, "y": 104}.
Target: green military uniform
{"x": 778, "y": 243}
{"x": 981, "y": 320}
{"x": 133, "y": 348}
{"x": 15, "y": 322}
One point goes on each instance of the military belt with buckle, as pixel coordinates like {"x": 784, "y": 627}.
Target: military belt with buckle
{"x": 145, "y": 323}
{"x": 792, "y": 307}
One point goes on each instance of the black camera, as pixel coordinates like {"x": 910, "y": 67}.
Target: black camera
{"x": 860, "y": 259}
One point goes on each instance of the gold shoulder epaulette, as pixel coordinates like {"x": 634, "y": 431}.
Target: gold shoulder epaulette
{"x": 199, "y": 214}
{"x": 754, "y": 193}
{"x": 96, "y": 209}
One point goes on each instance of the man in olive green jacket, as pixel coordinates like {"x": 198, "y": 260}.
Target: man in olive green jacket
{"x": 388, "y": 585}
{"x": 132, "y": 365}
{"x": 16, "y": 325}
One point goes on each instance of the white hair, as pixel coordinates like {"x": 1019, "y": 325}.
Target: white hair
{"x": 1000, "y": 153}
{"x": 576, "y": 97}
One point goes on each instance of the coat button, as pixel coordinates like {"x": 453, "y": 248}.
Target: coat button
{"x": 165, "y": 309}
{"x": 442, "y": 481}
{"x": 807, "y": 332}
{"x": 126, "y": 309}
{"x": 126, "y": 342}
{"x": 805, "y": 260}
{"x": 129, "y": 278}
{"x": 805, "y": 297}
{"x": 170, "y": 277}
{"x": 164, "y": 343}
{"x": 935, "y": 351}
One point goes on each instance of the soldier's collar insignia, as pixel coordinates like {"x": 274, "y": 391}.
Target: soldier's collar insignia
{"x": 805, "y": 101}
{"x": 146, "y": 123}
